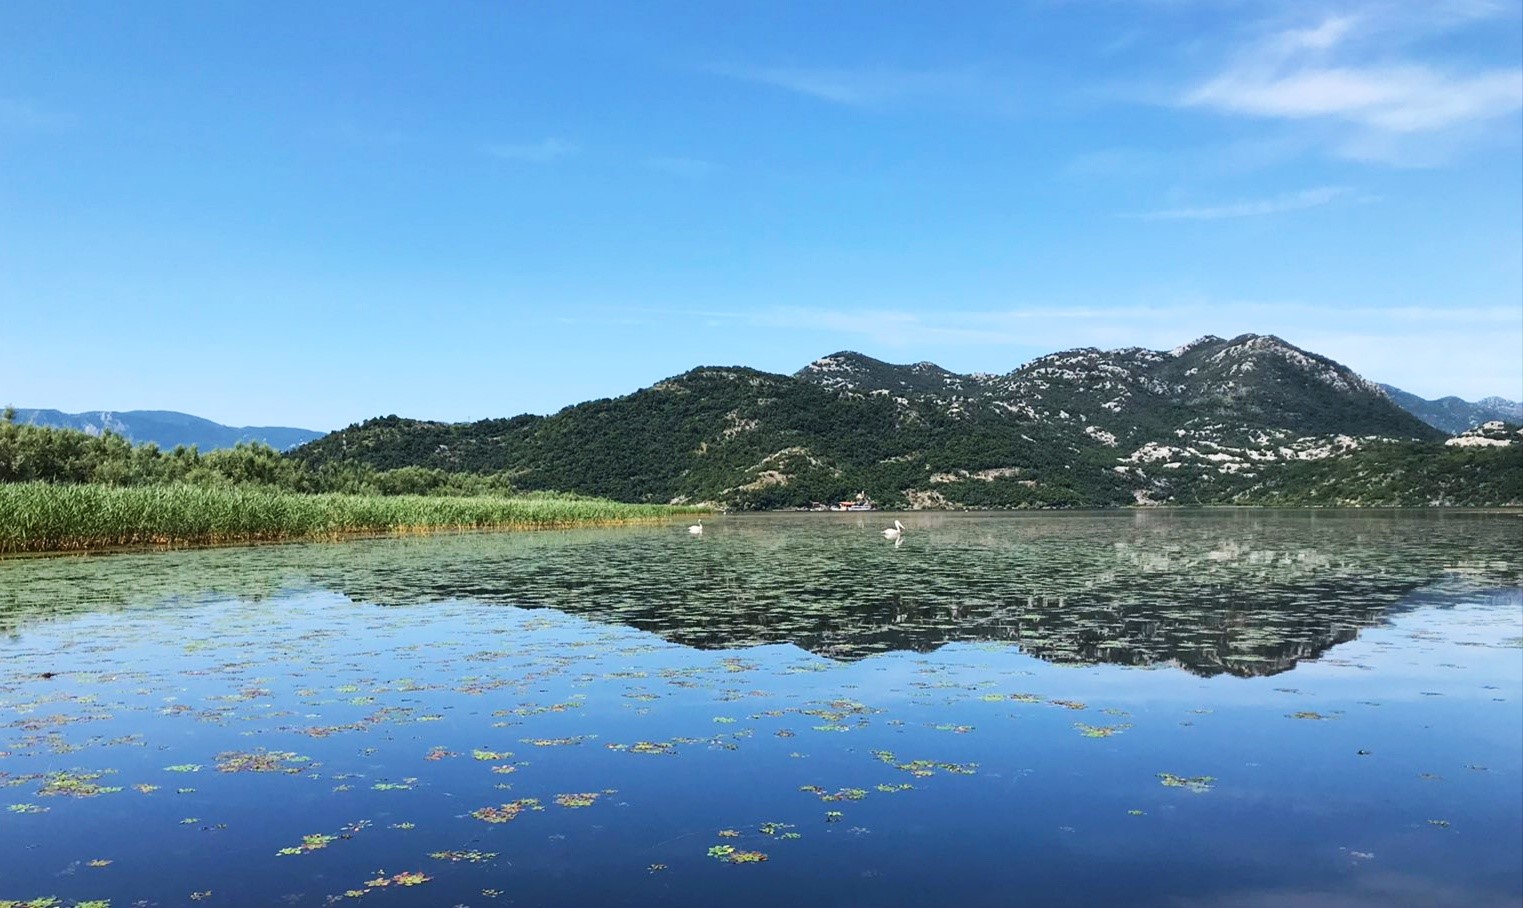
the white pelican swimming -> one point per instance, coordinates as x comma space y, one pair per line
696, 529
894, 532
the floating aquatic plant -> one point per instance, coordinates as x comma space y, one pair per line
506, 812
262, 761
309, 843
842, 794
922, 768
730, 855
76, 784
558, 742
1100, 731
577, 799
646, 747
1194, 783
404, 785
407, 878
469, 857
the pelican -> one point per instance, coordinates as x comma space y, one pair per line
696, 529
895, 532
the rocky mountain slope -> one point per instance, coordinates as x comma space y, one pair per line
1214, 421
1453, 415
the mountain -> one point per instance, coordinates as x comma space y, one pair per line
168, 429
1248, 420
1454, 415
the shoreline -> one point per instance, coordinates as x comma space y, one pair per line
333, 538
41, 520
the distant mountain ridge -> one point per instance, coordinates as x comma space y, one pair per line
1454, 415
168, 429
1252, 419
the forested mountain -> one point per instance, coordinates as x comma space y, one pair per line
1216, 421
1454, 415
168, 429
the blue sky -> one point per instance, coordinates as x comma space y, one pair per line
308, 214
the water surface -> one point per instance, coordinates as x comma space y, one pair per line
1217, 708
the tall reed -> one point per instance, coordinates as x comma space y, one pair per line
45, 517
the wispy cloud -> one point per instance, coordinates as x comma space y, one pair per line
687, 168
1403, 99
865, 87
1358, 73
542, 152
1295, 201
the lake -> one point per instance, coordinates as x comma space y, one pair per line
1219, 708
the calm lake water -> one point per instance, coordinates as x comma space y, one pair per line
1172, 709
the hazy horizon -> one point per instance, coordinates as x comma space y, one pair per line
547, 412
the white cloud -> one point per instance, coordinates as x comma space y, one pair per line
1321, 37
1307, 198
1402, 99
541, 152
1358, 79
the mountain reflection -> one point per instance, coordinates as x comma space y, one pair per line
1242, 593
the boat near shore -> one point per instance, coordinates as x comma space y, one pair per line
860, 503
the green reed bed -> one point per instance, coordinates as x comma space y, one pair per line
43, 517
